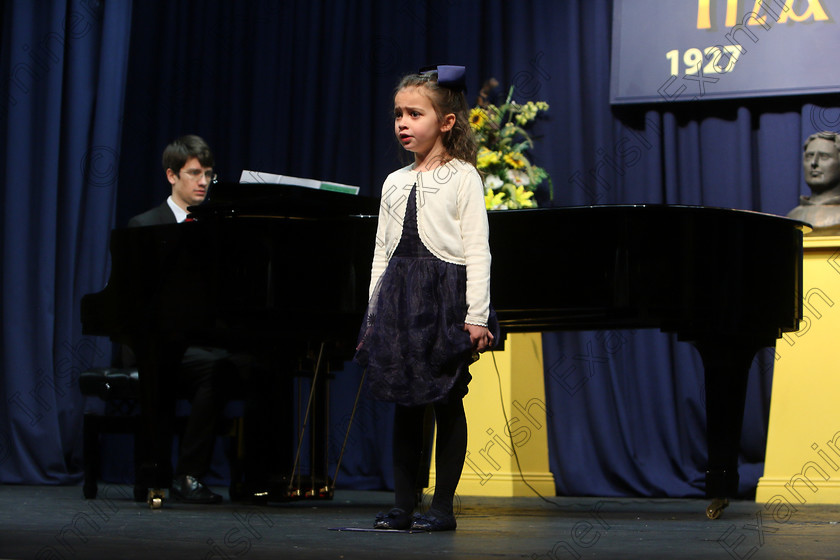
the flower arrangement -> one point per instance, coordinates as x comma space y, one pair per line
510, 179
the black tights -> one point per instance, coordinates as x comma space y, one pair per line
450, 450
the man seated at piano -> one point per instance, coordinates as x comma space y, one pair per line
188, 165
206, 374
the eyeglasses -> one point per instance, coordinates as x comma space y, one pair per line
197, 173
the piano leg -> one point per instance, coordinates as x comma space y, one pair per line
726, 361
315, 422
157, 365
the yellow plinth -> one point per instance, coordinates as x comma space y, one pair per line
802, 464
506, 421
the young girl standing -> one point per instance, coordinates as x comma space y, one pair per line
429, 307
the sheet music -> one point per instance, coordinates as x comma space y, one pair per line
274, 179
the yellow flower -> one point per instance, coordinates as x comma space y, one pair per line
487, 158
523, 198
478, 118
493, 199
515, 160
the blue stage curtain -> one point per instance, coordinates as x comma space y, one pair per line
64, 66
305, 89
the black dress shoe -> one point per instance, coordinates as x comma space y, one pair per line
395, 519
189, 489
433, 521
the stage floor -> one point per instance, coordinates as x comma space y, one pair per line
56, 522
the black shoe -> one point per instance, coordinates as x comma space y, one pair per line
433, 521
188, 489
395, 519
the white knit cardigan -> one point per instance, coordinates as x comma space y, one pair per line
451, 219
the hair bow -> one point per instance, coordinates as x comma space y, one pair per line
452, 77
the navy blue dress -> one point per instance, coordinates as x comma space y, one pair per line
413, 341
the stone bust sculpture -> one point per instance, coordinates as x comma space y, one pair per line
821, 163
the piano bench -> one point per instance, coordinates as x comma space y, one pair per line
110, 383
120, 389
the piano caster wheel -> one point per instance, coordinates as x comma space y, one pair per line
155, 499
325, 492
716, 508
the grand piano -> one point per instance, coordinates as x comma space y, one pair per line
269, 266
260, 270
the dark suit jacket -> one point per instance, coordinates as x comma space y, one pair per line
155, 217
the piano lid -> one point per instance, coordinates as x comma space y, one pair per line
654, 209
273, 200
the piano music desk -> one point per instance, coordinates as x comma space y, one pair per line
495, 438
802, 462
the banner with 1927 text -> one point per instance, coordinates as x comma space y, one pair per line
690, 50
